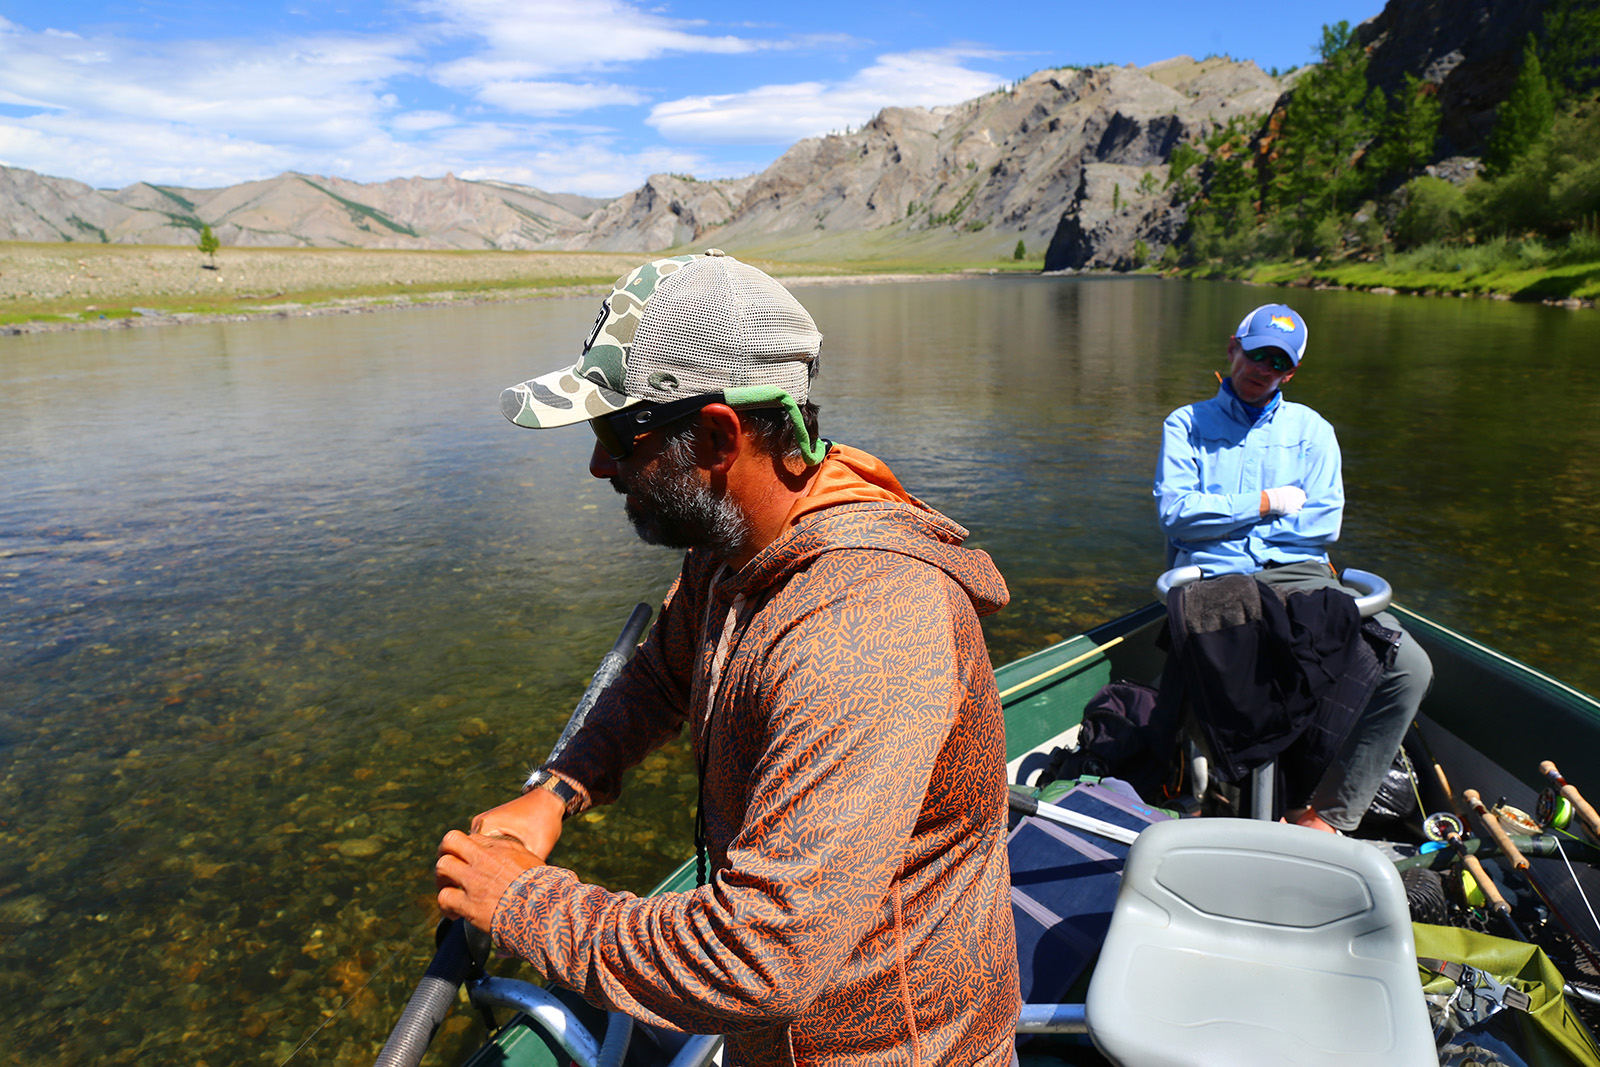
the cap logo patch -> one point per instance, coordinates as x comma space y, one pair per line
662, 380
599, 323
1282, 322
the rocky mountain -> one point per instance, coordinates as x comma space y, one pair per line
1072, 160
292, 210
666, 211
1087, 145
967, 181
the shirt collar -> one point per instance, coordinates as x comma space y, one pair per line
1252, 414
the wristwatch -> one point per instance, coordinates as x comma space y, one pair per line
547, 779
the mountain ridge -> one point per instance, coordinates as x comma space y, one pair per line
1012, 162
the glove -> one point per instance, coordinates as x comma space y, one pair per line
1284, 500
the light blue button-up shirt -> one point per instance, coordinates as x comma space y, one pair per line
1216, 458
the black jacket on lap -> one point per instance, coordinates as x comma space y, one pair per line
1270, 674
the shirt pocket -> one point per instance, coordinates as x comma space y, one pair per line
1285, 463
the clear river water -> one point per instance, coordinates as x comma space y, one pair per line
282, 601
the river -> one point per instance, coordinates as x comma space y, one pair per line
285, 600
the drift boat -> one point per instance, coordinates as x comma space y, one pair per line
1297, 918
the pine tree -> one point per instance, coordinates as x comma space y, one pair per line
1410, 129
1571, 46
1021, 251
1524, 118
1328, 120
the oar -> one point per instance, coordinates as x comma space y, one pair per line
1026, 805
1491, 823
461, 941
1591, 820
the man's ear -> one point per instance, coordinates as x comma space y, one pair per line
721, 438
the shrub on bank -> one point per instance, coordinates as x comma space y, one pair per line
1434, 211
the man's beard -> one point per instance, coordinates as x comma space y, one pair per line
669, 505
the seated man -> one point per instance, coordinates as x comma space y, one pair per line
1249, 483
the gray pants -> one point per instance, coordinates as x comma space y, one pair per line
1352, 779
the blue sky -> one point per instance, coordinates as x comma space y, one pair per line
583, 96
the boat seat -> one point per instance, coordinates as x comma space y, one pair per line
1241, 942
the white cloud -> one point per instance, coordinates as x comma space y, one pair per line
418, 121
320, 90
778, 114
524, 40
555, 98
110, 110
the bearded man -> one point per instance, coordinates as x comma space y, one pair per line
822, 646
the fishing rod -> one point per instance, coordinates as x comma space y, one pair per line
1438, 855
1569, 793
1491, 824
1450, 830
462, 947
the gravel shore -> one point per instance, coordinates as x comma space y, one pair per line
121, 286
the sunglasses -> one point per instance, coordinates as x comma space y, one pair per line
1281, 363
618, 431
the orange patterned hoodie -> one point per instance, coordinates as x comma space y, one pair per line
842, 703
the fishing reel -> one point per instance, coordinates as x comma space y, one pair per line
1515, 819
1440, 825
1553, 810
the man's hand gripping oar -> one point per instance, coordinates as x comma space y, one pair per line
474, 869
499, 848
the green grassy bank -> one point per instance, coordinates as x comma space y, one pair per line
1503, 269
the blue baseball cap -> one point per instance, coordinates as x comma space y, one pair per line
1274, 326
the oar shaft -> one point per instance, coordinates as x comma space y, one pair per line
1021, 802
1585, 811
611, 665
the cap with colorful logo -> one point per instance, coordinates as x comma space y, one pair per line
675, 328
1274, 326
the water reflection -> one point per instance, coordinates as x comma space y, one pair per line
285, 600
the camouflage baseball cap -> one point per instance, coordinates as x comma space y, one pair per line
675, 328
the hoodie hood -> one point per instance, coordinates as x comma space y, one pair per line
856, 502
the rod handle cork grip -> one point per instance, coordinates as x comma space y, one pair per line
1491, 892
1580, 805
1491, 826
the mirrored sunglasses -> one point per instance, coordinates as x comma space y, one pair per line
1281, 363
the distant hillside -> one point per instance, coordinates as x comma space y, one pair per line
292, 210
1079, 152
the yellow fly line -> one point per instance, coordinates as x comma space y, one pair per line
1073, 662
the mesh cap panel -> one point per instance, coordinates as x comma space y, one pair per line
717, 323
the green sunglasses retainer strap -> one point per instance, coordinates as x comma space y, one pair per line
770, 396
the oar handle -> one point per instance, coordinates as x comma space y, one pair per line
1585, 811
1490, 823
